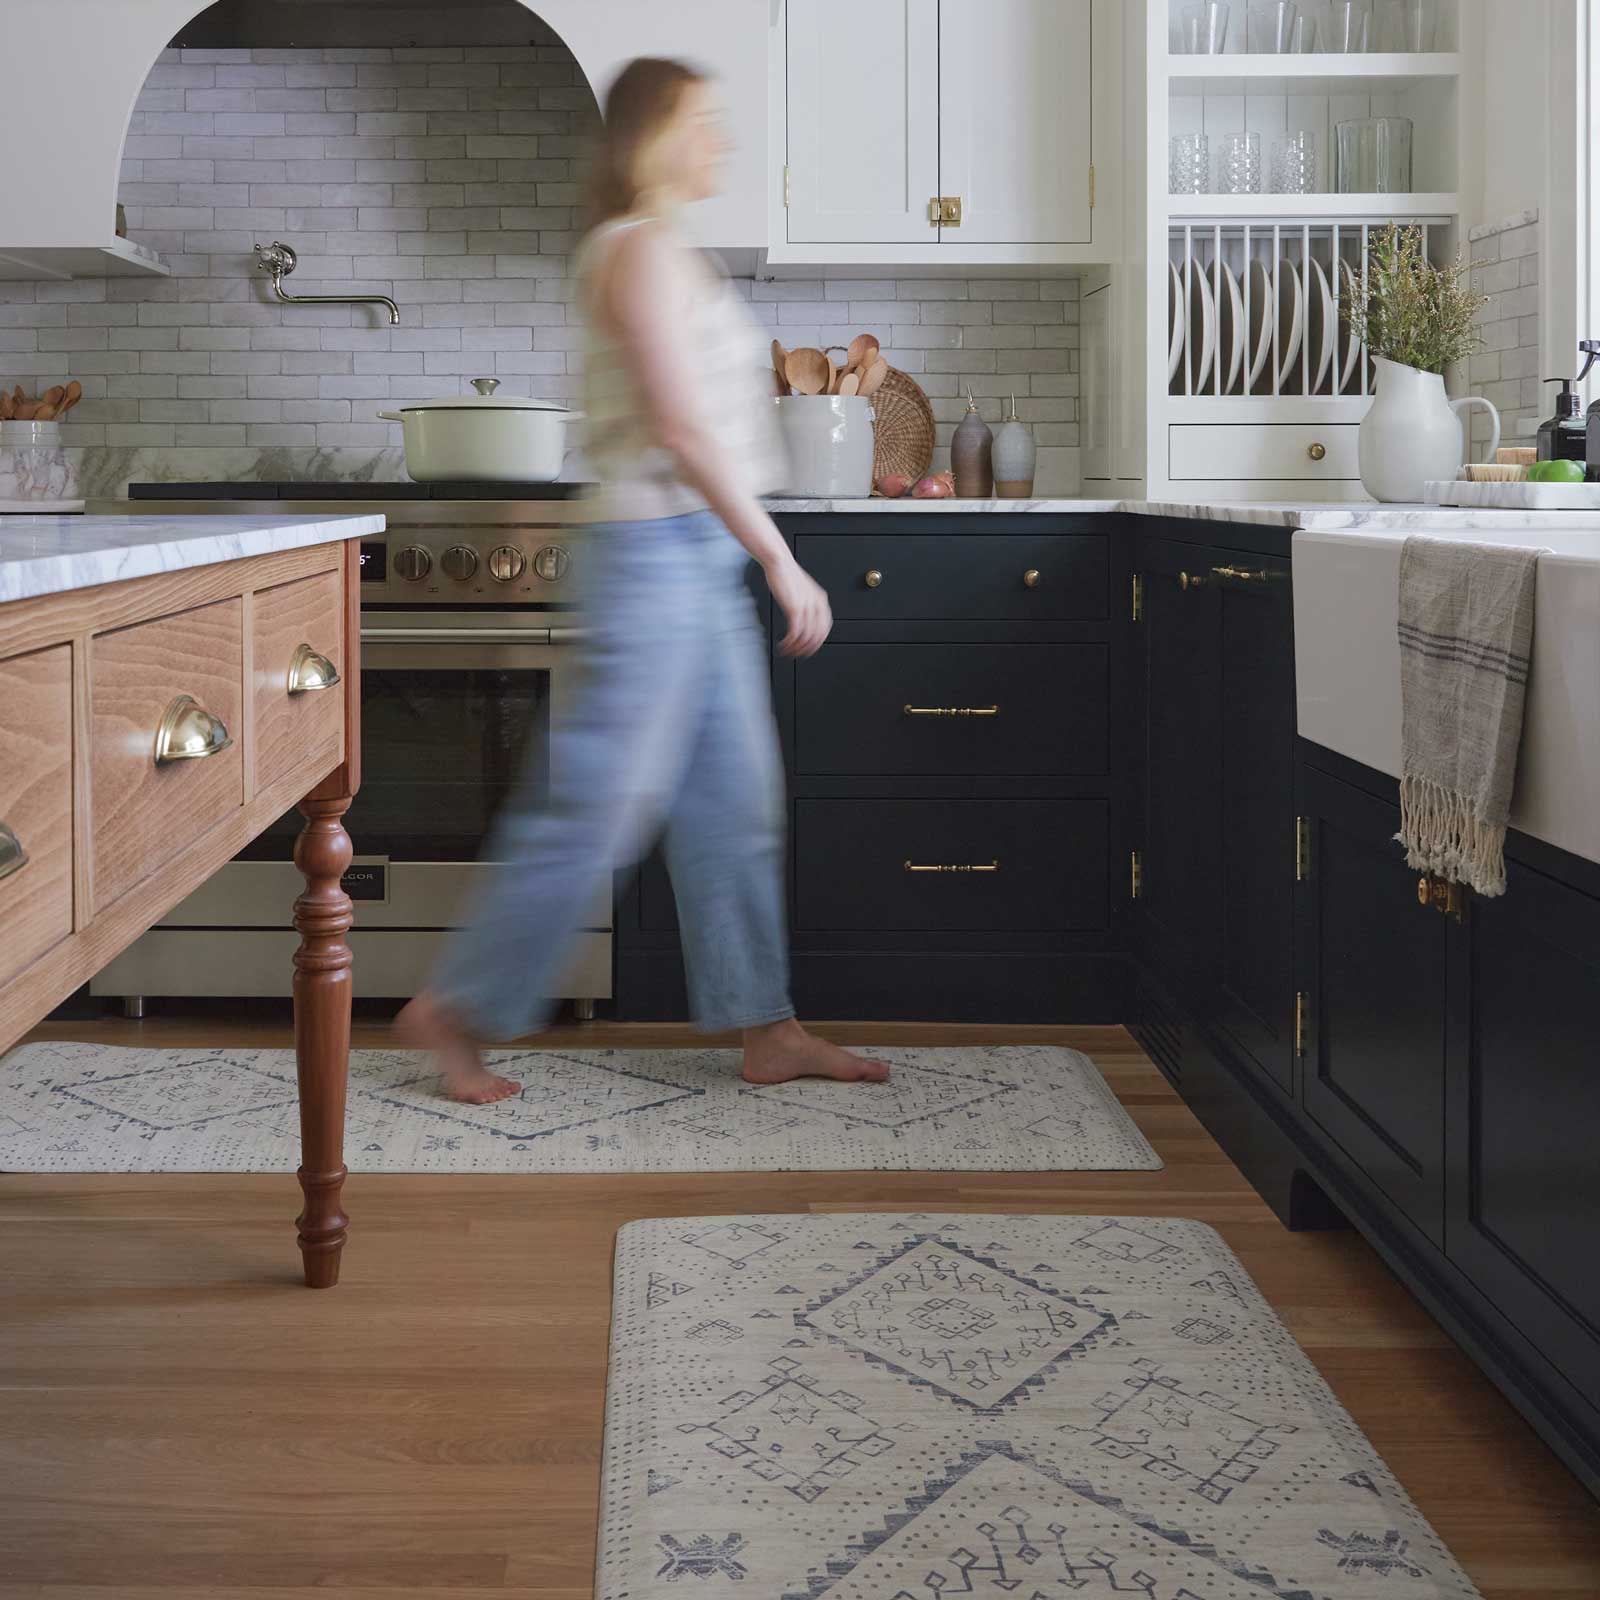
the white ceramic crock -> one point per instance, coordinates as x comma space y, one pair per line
484, 437
1412, 435
828, 439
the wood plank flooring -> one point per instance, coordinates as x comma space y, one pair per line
179, 1416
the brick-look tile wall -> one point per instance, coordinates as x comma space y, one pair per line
1506, 371
449, 178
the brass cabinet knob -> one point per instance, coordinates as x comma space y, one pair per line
1030, 578
189, 732
1424, 892
1190, 580
1317, 451
13, 858
309, 671
874, 578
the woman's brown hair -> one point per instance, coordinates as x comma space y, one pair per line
638, 106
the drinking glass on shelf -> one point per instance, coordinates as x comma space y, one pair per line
1294, 164
1408, 25
1189, 164
1303, 40
1239, 169
1350, 27
1374, 156
1205, 28
1270, 26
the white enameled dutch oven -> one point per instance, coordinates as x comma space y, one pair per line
484, 436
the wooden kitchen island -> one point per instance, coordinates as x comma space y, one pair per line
169, 687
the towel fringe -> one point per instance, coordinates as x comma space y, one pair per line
1443, 836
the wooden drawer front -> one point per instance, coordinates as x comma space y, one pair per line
1268, 450
850, 870
1048, 703
36, 803
979, 577
303, 731
144, 815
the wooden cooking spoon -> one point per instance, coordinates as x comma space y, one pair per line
779, 357
863, 350
73, 394
53, 397
808, 370
849, 383
872, 378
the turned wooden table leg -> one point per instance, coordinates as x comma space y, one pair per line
322, 1031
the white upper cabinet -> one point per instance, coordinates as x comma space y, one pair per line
1015, 119
899, 111
863, 80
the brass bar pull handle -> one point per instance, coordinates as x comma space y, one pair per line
991, 866
952, 711
189, 732
1240, 574
13, 858
309, 671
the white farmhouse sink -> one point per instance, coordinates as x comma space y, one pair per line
1347, 666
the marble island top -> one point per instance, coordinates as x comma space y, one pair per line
47, 555
1311, 516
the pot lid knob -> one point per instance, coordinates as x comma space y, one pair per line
486, 386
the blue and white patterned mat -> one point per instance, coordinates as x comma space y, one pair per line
71, 1107
891, 1407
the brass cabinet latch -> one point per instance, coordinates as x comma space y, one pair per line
944, 211
1136, 875
1448, 899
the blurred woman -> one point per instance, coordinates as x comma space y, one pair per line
670, 730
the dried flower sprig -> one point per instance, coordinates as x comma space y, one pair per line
1410, 310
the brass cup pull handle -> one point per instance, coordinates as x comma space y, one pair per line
952, 711
309, 671
874, 578
1240, 574
1190, 580
13, 858
990, 866
1317, 452
189, 732
1030, 578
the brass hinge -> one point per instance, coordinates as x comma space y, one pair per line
1300, 1024
1138, 597
1135, 875
1091, 186
1302, 849
787, 191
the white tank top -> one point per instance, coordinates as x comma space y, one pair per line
732, 379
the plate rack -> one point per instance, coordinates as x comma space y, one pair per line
1241, 260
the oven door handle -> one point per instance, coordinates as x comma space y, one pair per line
530, 636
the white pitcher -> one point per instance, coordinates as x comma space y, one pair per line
1412, 435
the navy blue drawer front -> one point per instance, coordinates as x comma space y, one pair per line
981, 710
973, 577
1047, 861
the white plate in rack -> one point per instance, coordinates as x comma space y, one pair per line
1202, 340
1322, 327
1289, 297
1262, 303
1175, 322
1230, 330
1349, 340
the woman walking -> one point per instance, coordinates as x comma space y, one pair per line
670, 730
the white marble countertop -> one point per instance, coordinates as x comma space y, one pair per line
47, 555
1310, 516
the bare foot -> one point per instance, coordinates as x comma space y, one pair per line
784, 1051
424, 1024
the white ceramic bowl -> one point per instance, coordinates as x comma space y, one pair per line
483, 437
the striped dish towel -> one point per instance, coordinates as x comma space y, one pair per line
1466, 640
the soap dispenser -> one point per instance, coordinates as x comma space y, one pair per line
1564, 436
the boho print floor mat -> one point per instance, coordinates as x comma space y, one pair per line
892, 1407
69, 1107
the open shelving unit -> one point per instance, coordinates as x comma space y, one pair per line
1288, 431
121, 258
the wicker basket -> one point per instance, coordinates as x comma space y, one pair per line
903, 440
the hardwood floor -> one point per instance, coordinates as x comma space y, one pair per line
179, 1414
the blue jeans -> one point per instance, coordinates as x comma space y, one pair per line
668, 731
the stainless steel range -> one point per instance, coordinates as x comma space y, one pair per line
468, 617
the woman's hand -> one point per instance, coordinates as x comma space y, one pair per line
804, 602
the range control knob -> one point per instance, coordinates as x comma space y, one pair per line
551, 563
506, 563
460, 561
414, 563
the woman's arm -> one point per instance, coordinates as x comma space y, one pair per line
645, 295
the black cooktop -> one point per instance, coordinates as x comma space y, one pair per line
356, 491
